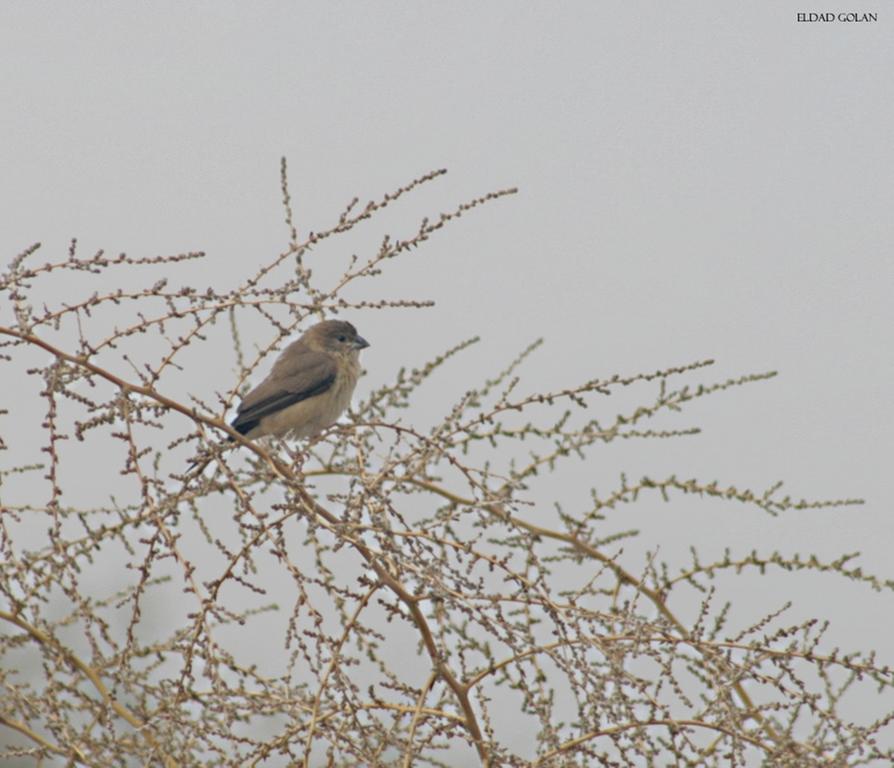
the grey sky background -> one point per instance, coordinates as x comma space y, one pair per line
696, 179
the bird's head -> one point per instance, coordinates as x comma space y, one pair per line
336, 336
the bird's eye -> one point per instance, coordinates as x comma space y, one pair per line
342, 338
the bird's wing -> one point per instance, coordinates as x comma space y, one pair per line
307, 374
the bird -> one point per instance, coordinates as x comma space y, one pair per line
309, 387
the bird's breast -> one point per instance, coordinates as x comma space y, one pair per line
310, 417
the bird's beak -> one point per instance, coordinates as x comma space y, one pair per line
361, 343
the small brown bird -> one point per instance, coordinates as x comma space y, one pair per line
309, 387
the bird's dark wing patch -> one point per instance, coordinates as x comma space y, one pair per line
308, 374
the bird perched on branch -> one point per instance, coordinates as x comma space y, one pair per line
309, 387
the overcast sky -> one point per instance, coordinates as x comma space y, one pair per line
697, 179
